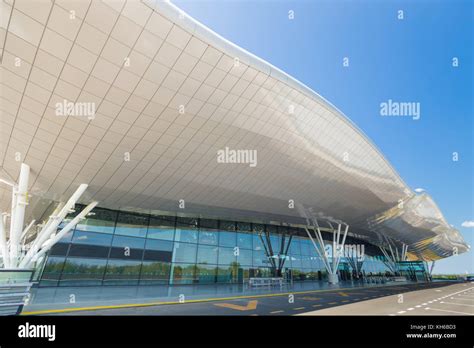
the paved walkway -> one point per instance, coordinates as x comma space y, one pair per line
209, 300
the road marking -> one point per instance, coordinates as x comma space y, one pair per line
458, 304
251, 305
316, 305
332, 303
461, 299
345, 300
297, 309
275, 312
418, 306
401, 312
445, 310
410, 309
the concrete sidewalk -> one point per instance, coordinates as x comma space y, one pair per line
75, 297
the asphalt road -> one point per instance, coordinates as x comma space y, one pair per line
455, 299
298, 303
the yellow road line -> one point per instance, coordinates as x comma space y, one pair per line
151, 304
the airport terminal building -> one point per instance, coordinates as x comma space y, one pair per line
204, 163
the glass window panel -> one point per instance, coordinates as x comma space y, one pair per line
244, 226
295, 248
191, 223
226, 274
306, 247
227, 225
67, 237
184, 252
209, 224
260, 258
306, 262
226, 256
186, 235
296, 262
135, 225
82, 271
91, 238
244, 240
258, 228
155, 273
84, 250
228, 239
206, 273
164, 245
162, 227
208, 237
122, 272
207, 254
59, 249
257, 242
275, 240
245, 257
186, 230
127, 248
52, 271
183, 273
102, 220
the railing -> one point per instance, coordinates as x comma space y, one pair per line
13, 297
269, 282
15, 285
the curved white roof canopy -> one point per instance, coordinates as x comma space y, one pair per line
140, 63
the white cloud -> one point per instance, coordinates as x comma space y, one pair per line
468, 224
419, 190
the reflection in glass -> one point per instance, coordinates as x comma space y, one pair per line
91, 238
228, 239
155, 273
184, 252
82, 271
207, 254
135, 225
102, 220
206, 273
208, 237
162, 227
122, 272
52, 271
183, 273
226, 256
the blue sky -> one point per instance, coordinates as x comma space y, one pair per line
407, 60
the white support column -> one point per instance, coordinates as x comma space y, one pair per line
20, 201
50, 242
320, 249
390, 262
52, 225
3, 240
26, 230
312, 222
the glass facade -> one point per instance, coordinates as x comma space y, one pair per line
122, 248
